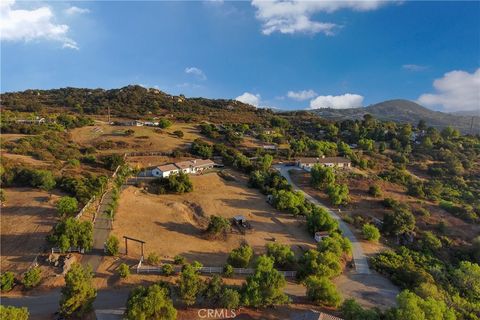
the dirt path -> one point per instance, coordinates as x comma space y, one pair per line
359, 257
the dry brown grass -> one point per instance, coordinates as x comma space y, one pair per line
174, 224
144, 138
27, 217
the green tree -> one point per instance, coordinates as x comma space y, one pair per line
152, 302
322, 291
430, 242
351, 310
400, 221
32, 277
338, 194
288, 200
164, 123
43, 179
189, 284
412, 307
78, 294
67, 206
229, 299
467, 279
265, 286
218, 226
265, 162
375, 191
111, 245
370, 232
241, 256
123, 270
167, 269
153, 258
7, 280
73, 233
228, 270
321, 177
282, 255
111, 162
320, 220
13, 313
213, 290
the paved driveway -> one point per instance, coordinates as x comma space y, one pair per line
361, 264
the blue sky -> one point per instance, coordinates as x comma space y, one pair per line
290, 55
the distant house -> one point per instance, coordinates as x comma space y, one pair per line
269, 147
308, 163
165, 170
188, 166
31, 121
132, 123
151, 123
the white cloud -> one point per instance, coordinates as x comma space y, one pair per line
28, 25
456, 90
76, 10
249, 98
414, 67
344, 101
301, 95
196, 72
294, 16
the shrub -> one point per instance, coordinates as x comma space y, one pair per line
164, 123
189, 285
153, 258
13, 313
152, 302
178, 133
111, 245
32, 277
322, 291
370, 232
218, 226
167, 269
241, 256
351, 310
178, 260
111, 162
228, 270
72, 233
282, 255
320, 220
175, 183
67, 206
229, 299
375, 191
400, 221
123, 270
7, 280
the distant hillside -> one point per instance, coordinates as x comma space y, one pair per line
404, 111
468, 113
131, 101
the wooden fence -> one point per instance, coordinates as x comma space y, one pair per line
208, 270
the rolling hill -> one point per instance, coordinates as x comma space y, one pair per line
404, 111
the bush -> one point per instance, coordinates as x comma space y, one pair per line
175, 183
228, 270
111, 162
189, 285
152, 302
123, 270
230, 299
351, 310
164, 123
111, 245
218, 226
370, 232
153, 259
67, 206
398, 222
7, 280
32, 277
72, 233
282, 255
240, 257
375, 191
178, 133
320, 220
178, 260
13, 313
322, 291
167, 269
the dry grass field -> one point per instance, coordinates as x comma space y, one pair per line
27, 217
143, 139
174, 224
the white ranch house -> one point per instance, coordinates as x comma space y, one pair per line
188, 166
308, 163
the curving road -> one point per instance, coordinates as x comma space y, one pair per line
361, 264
